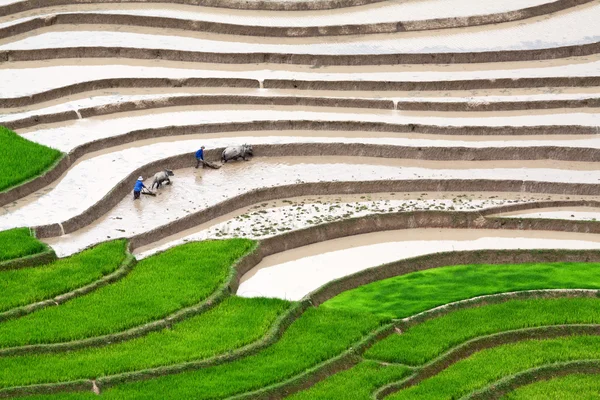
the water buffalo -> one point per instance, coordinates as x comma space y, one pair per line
161, 177
236, 152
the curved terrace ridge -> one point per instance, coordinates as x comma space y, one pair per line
324, 369
469, 348
337, 85
129, 19
402, 267
555, 357
309, 101
301, 238
121, 189
210, 300
300, 59
549, 152
450, 249
25, 5
553, 371
46, 256
119, 273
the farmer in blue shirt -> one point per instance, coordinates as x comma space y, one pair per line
200, 157
137, 189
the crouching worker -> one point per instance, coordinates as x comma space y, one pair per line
137, 189
200, 157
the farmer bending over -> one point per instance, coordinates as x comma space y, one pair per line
137, 189
200, 157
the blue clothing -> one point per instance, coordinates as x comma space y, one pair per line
200, 154
138, 186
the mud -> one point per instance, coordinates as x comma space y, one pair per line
192, 192
17, 6
433, 14
571, 213
549, 32
178, 120
89, 183
293, 274
93, 178
370, 14
269, 219
574, 66
406, 148
386, 55
362, 225
117, 95
109, 105
26, 78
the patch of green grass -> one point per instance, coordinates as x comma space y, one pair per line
157, 286
230, 325
488, 366
357, 383
571, 387
422, 343
406, 295
28, 285
21, 159
63, 396
322, 333
17, 243
317, 336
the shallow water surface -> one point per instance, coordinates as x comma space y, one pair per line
295, 273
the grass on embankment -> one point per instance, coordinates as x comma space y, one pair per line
424, 342
17, 243
155, 288
357, 383
571, 387
406, 295
230, 325
488, 366
21, 159
325, 332
25, 286
318, 335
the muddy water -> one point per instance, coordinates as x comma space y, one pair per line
572, 213
94, 175
275, 217
24, 78
117, 96
389, 138
124, 158
555, 67
67, 135
87, 182
293, 274
390, 11
572, 27
91, 179
194, 190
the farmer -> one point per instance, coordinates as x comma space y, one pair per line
137, 189
200, 157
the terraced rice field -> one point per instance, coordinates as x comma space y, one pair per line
419, 218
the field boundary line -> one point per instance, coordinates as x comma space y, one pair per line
123, 270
